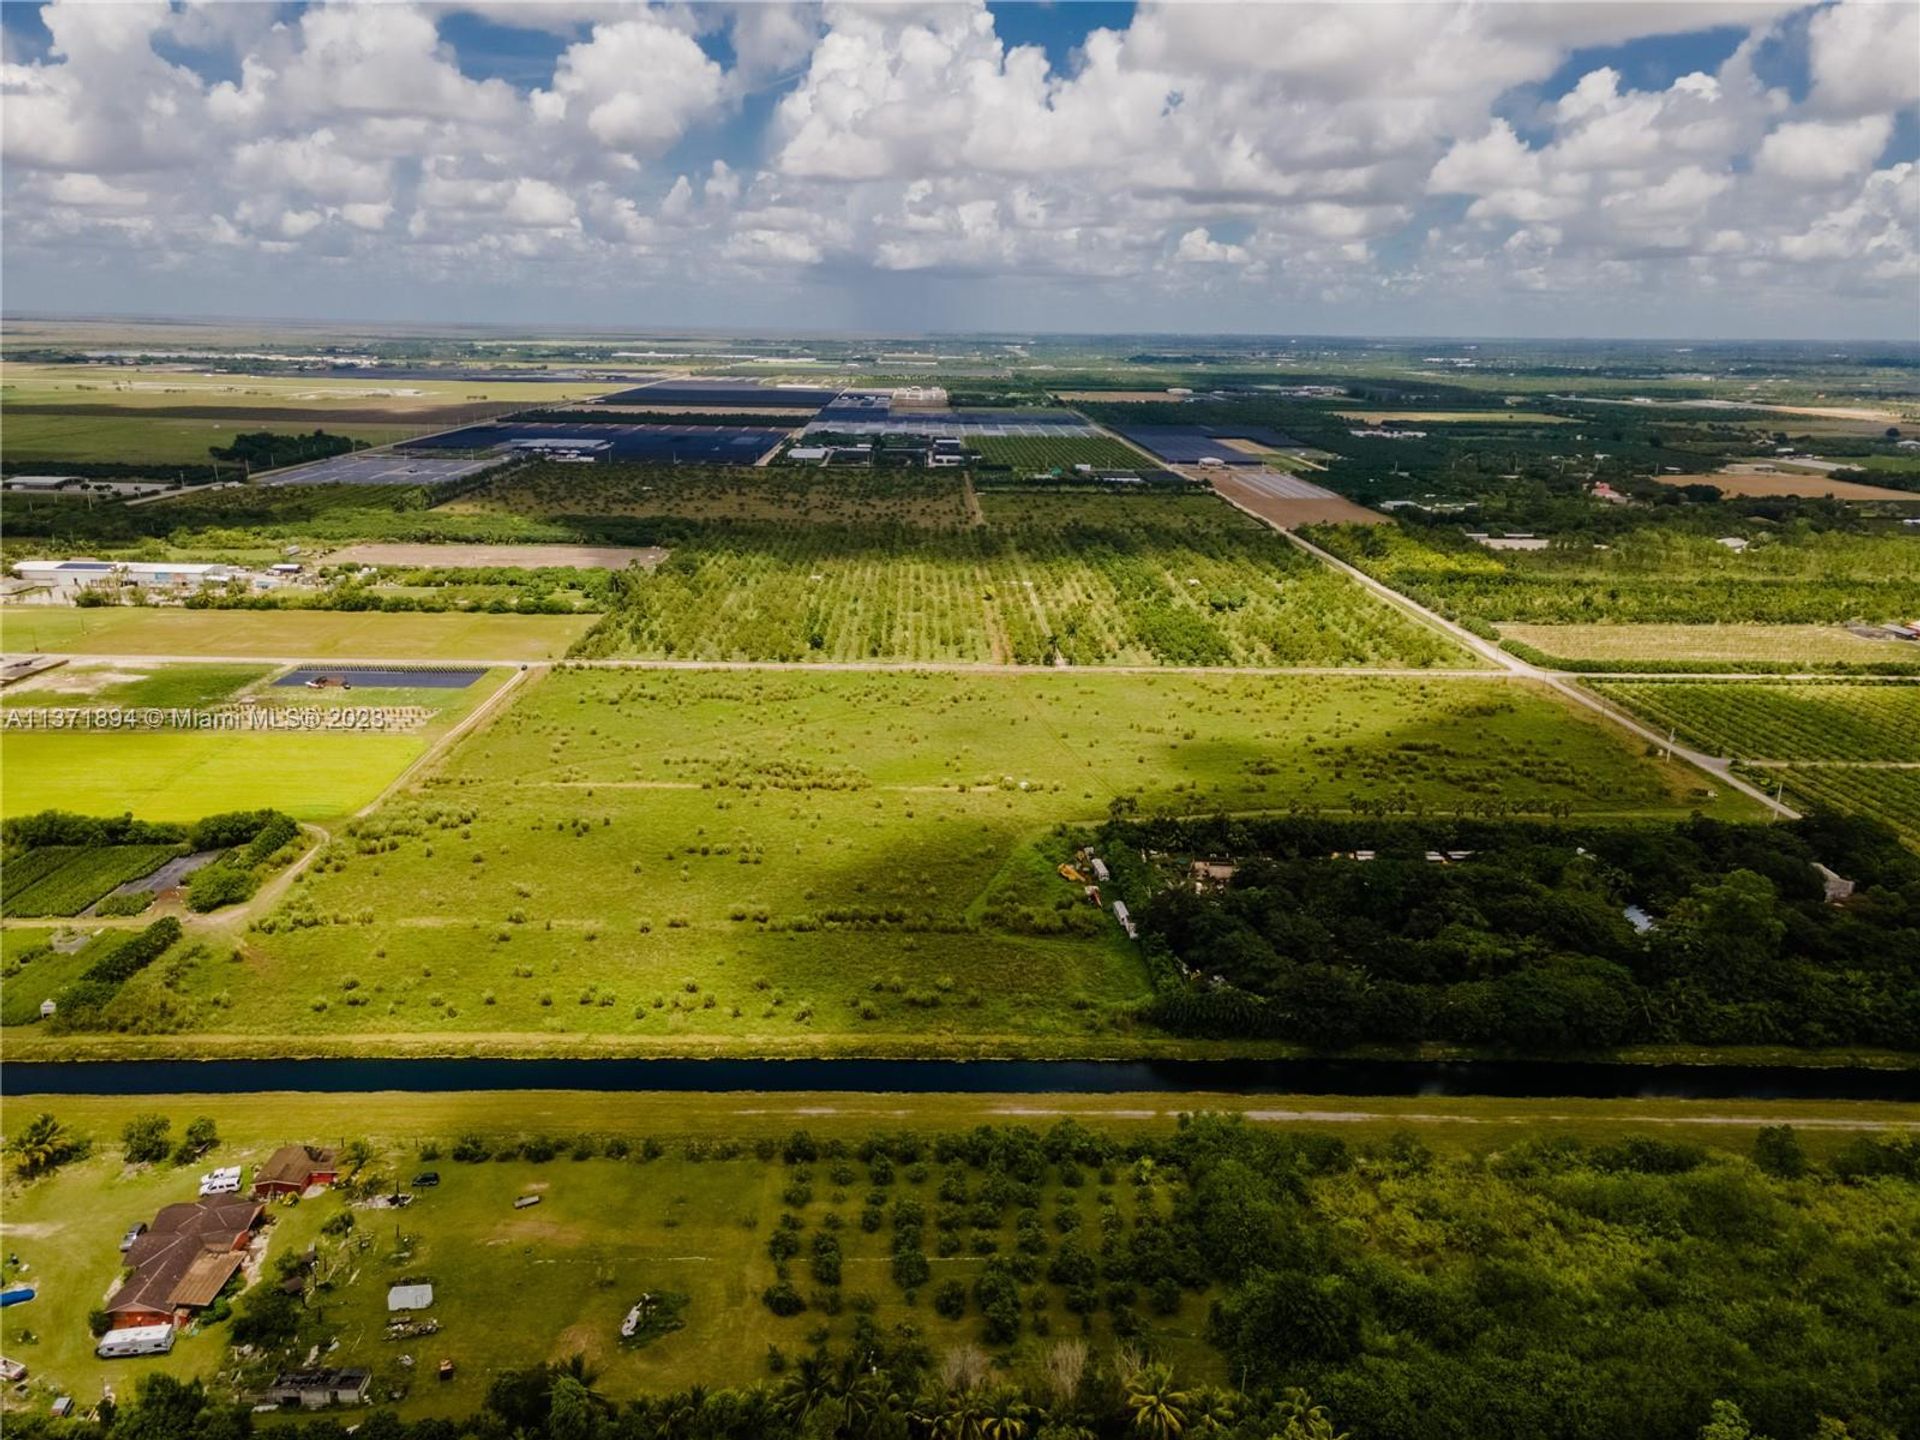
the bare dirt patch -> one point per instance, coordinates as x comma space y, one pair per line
503, 557
1289, 513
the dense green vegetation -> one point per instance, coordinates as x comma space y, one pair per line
1202, 1279
1521, 936
265, 450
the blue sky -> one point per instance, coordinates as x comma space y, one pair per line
1740, 168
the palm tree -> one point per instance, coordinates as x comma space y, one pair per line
807, 1386
43, 1142
1212, 1411
1304, 1419
1159, 1410
1007, 1416
954, 1415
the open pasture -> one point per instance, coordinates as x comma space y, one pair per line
187, 773
787, 863
158, 440
132, 685
289, 634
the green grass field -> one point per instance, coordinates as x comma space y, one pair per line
607, 1229
289, 634
796, 863
132, 685
139, 439
184, 774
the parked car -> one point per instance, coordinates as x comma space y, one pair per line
126, 1240
426, 1180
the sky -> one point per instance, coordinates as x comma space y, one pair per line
1737, 169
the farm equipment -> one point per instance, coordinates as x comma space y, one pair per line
1068, 872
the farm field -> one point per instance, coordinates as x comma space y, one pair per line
714, 862
683, 1194
1458, 417
1852, 747
510, 557
64, 880
131, 685
136, 439
1743, 482
1812, 646
289, 634
185, 774
1888, 794
789, 494
1077, 579
1039, 453
1806, 720
1647, 576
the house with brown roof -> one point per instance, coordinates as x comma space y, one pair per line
293, 1168
184, 1260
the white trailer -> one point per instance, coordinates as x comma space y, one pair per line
135, 1340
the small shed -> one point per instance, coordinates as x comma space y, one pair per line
409, 1297
47, 1009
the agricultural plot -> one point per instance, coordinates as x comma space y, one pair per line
290, 634
1083, 580
132, 685
187, 773
158, 440
1037, 455
1886, 793
930, 499
66, 879
1804, 721
1650, 575
1811, 647
714, 862
1846, 746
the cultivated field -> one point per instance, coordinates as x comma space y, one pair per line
1075, 579
777, 863
508, 557
158, 439
1648, 575
288, 634
1800, 721
1036, 454
1452, 417
778, 494
1807, 483
1839, 745
185, 774
1810, 645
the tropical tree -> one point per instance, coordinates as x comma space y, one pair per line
1304, 1420
44, 1143
1007, 1416
1159, 1410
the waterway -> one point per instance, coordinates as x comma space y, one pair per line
1510, 1078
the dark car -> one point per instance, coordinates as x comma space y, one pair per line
426, 1180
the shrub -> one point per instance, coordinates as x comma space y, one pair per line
147, 1138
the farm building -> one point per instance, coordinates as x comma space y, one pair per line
294, 1169
173, 575
66, 577
316, 1389
183, 1261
